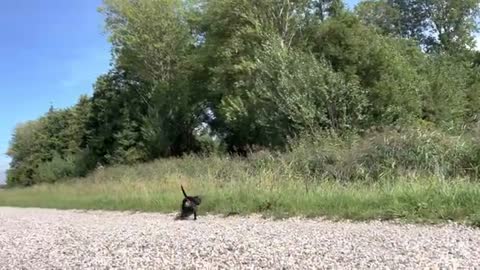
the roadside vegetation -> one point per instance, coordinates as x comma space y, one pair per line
417, 175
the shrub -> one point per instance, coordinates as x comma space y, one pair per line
386, 154
54, 170
415, 150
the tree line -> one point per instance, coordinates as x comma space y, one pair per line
201, 76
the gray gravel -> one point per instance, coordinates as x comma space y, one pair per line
53, 239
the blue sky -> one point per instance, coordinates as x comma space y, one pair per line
51, 52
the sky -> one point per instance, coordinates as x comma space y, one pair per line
51, 52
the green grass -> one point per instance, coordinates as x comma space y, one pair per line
232, 186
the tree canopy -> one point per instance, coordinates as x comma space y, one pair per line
199, 76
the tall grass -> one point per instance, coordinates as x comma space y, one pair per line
415, 175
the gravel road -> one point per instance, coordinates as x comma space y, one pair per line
54, 239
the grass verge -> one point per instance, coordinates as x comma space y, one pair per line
156, 187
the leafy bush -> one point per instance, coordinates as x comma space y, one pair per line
56, 169
387, 154
416, 150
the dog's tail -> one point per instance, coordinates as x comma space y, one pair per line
183, 190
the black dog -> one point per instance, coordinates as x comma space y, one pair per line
189, 205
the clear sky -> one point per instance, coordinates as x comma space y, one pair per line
51, 52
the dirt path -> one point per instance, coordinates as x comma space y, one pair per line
53, 239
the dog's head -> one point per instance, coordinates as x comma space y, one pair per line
197, 200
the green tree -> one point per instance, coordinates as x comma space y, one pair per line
439, 25
292, 92
328, 8
445, 99
234, 32
24, 150
250, 72
454, 22
386, 67
40, 149
114, 124
154, 43
150, 37
76, 128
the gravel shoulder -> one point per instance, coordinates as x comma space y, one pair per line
57, 239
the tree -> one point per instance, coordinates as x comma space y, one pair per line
40, 150
234, 32
115, 119
438, 25
149, 37
386, 67
24, 150
76, 128
454, 22
328, 8
292, 92
153, 43
445, 96
252, 72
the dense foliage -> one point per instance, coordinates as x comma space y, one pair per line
204, 76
